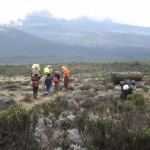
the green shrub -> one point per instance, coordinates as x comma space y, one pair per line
126, 106
137, 98
146, 132
91, 147
130, 136
14, 117
17, 125
104, 106
65, 143
91, 94
101, 131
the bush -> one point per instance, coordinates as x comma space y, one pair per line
137, 98
45, 109
65, 143
101, 130
14, 117
126, 106
17, 128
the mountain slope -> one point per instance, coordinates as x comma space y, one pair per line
17, 46
44, 39
85, 32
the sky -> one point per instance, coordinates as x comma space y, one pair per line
133, 12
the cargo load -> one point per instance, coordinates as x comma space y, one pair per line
46, 70
37, 66
35, 69
64, 68
65, 71
116, 77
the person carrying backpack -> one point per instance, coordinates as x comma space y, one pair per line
48, 83
56, 79
66, 82
35, 84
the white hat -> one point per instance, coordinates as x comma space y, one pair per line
126, 87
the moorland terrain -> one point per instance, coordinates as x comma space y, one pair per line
89, 116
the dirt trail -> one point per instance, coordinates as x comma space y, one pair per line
40, 100
22, 91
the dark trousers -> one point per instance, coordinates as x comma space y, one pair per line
35, 92
125, 93
66, 86
56, 87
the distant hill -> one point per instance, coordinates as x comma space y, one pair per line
17, 46
42, 38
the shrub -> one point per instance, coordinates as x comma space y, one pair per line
14, 117
45, 109
126, 106
137, 98
56, 111
91, 147
101, 131
16, 128
65, 143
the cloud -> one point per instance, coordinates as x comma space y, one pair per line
134, 12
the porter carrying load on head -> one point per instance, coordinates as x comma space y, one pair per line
35, 69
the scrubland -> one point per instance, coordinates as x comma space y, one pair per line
89, 116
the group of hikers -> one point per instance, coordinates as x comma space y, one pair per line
51, 77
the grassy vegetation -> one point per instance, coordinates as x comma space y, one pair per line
125, 127
91, 67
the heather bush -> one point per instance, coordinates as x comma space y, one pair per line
16, 128
125, 130
137, 99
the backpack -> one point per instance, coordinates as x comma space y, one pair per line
57, 74
34, 81
48, 80
55, 79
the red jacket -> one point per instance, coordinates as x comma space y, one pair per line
66, 80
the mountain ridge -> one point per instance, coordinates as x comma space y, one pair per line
46, 39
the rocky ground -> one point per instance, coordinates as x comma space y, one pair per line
82, 88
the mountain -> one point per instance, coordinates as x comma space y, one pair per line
84, 31
45, 19
17, 46
42, 39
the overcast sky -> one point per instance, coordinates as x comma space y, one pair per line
134, 12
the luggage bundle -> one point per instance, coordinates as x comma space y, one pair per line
35, 69
65, 71
48, 70
116, 77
